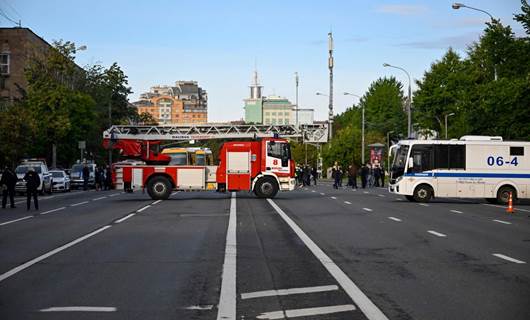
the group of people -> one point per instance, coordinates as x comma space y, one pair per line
103, 177
306, 174
9, 181
371, 175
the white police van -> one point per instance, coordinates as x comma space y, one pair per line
472, 167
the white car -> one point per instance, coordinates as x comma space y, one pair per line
61, 181
41, 169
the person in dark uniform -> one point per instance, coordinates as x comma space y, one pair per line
9, 180
364, 175
86, 175
32, 184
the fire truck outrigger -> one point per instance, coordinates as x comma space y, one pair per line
262, 165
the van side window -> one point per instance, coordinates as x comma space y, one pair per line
457, 156
517, 151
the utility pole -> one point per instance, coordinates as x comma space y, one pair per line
330, 66
110, 125
296, 80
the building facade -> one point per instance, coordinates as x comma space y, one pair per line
183, 103
277, 110
17, 47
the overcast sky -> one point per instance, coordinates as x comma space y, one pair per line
217, 43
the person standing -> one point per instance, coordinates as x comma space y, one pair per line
340, 174
9, 180
32, 184
314, 173
86, 176
97, 179
334, 177
377, 175
352, 172
364, 175
382, 176
108, 179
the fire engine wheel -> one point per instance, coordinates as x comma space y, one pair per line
159, 188
266, 188
503, 195
423, 193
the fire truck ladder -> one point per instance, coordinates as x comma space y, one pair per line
312, 133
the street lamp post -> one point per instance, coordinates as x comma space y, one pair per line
457, 6
330, 67
409, 100
447, 116
296, 80
362, 125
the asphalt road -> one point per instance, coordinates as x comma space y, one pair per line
315, 253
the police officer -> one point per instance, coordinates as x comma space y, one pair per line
9, 180
86, 176
32, 184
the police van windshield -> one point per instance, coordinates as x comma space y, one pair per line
398, 166
79, 168
24, 169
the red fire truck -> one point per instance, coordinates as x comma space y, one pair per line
263, 166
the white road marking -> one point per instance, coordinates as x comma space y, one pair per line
313, 191
78, 204
285, 292
334, 198
205, 307
366, 192
79, 309
228, 297
381, 195
144, 208
347, 202
370, 310
322, 194
157, 202
502, 221
423, 204
499, 255
125, 218
504, 207
399, 199
49, 254
114, 194
395, 219
294, 313
368, 209
187, 215
438, 234
50, 211
456, 211
13, 221
100, 198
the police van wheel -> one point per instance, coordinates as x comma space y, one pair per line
159, 188
503, 195
410, 198
266, 188
423, 193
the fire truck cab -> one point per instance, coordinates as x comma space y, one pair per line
263, 166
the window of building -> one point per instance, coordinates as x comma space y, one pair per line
267, 114
4, 63
273, 114
517, 151
280, 121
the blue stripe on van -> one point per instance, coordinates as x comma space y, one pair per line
469, 175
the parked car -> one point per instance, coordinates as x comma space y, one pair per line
61, 181
76, 175
41, 169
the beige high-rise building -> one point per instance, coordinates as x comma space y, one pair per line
183, 103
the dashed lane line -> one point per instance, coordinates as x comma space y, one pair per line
370, 310
368, 209
227, 299
157, 201
504, 207
79, 309
16, 220
28, 264
438, 234
100, 198
78, 204
502, 256
455, 211
381, 195
334, 198
144, 208
502, 221
53, 210
114, 194
322, 194
125, 218
285, 292
306, 312
347, 202
366, 192
423, 204
395, 219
